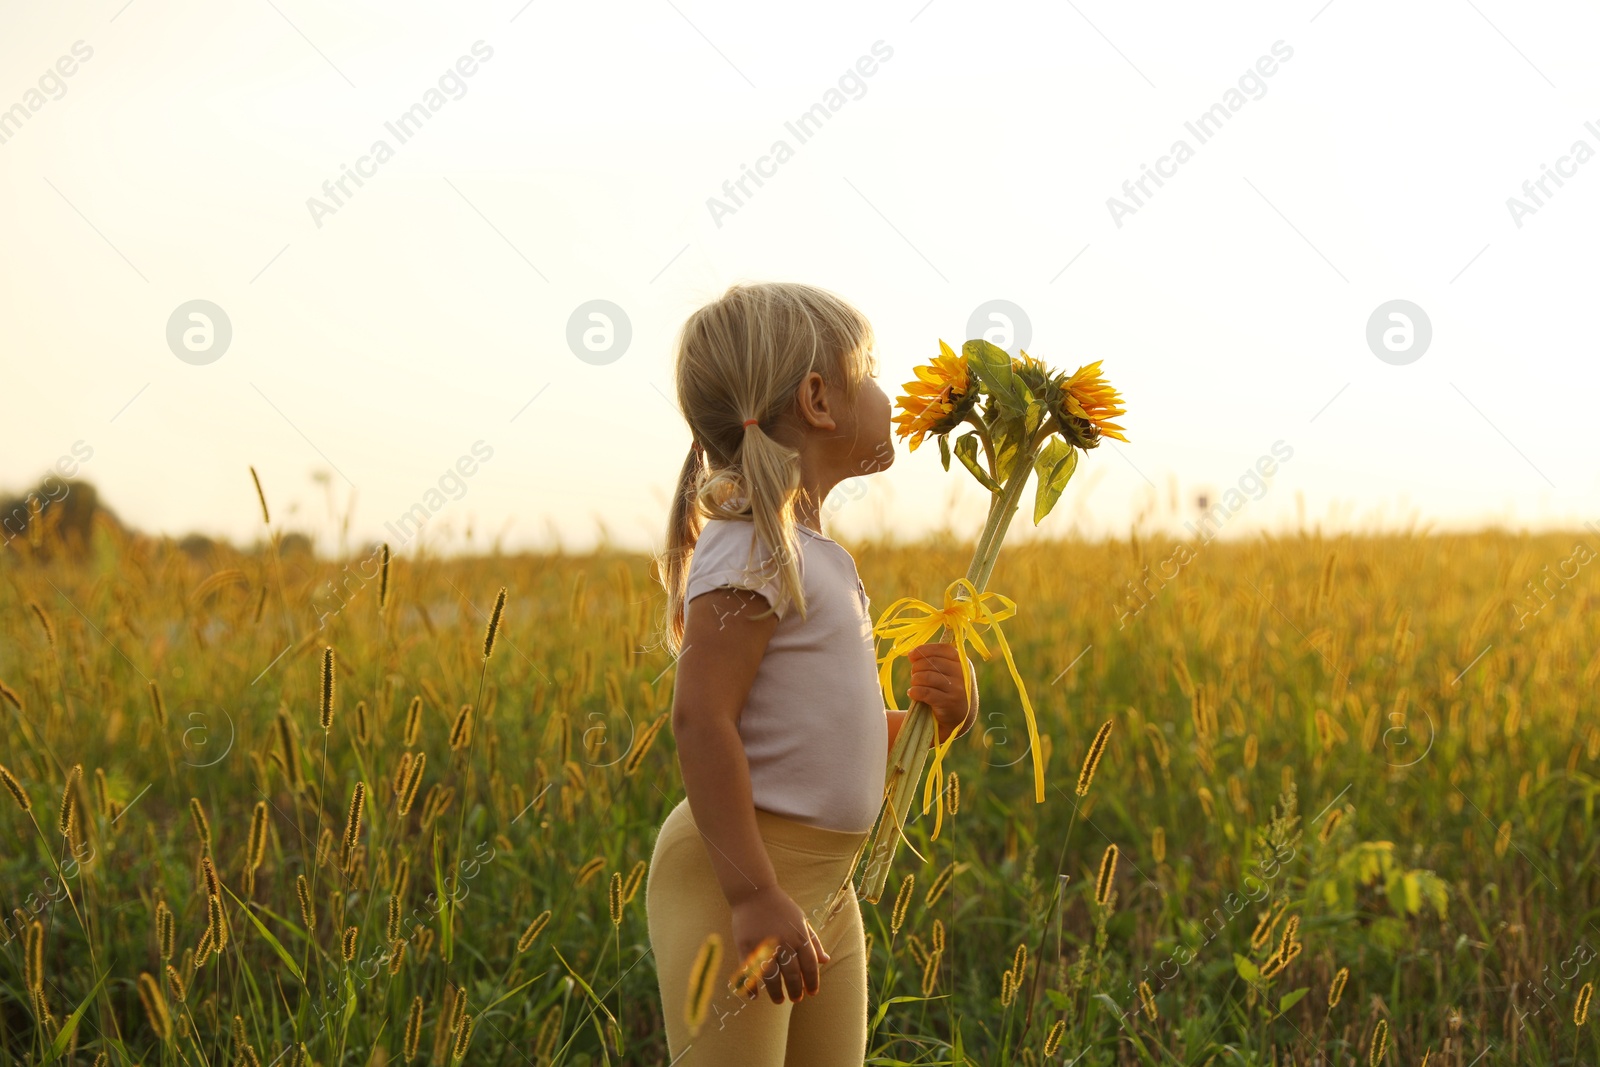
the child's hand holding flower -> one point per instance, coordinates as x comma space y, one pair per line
936, 681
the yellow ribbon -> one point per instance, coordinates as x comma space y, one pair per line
963, 617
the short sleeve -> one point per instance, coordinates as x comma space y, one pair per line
723, 558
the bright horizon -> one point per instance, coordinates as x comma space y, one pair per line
537, 158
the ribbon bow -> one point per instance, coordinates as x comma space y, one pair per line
963, 616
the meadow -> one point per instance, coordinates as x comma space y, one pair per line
1344, 809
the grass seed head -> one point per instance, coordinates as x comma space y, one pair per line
413, 1029
588, 871
413, 721
1147, 1001
533, 931
1092, 760
308, 907
266, 517
352, 824
413, 781
941, 882
208, 871
218, 927
155, 1005
202, 825
930, 973
1328, 827
44, 623
641, 749
383, 577
165, 930
701, 983
257, 849
493, 628
1287, 940
635, 880
14, 787
902, 900
1336, 987
69, 801
461, 731
1052, 1040
326, 715
33, 955
1108, 874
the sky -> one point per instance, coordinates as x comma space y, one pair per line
1353, 180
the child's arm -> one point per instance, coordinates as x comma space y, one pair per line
722, 649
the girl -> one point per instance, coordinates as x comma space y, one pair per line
778, 713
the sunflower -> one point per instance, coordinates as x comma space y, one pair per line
939, 400
1086, 406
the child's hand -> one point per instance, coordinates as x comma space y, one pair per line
936, 681
797, 959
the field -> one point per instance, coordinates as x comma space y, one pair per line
1365, 763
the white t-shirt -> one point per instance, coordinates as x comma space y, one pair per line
814, 728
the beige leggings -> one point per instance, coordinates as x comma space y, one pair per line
684, 903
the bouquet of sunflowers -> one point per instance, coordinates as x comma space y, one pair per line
1022, 416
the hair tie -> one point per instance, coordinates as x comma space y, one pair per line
751, 422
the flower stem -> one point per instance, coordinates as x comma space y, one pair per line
910, 751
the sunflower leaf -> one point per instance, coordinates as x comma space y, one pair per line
993, 367
967, 453
944, 450
1008, 435
1056, 462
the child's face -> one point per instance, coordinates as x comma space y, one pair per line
868, 427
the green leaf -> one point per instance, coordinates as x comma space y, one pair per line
60, 1044
277, 946
446, 912
944, 450
1247, 970
1289, 1000
967, 453
1055, 464
515, 991
576, 977
992, 365
883, 1008
350, 1002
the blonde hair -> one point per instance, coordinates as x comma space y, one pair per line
743, 356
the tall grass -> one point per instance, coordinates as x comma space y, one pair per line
1314, 797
